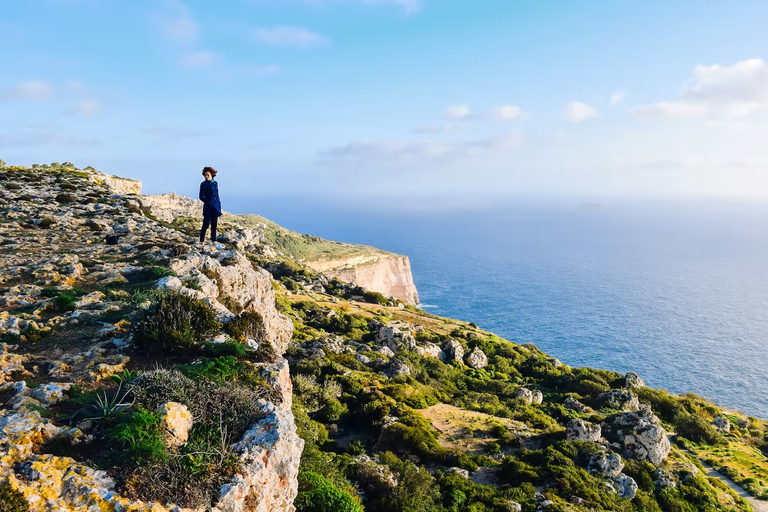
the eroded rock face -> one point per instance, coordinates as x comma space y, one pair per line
580, 430
270, 454
477, 359
388, 274
640, 434
238, 284
573, 404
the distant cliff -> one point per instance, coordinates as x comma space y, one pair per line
369, 267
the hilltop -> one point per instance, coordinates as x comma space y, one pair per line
140, 371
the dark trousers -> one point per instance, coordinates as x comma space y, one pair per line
212, 220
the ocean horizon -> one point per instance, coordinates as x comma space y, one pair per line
677, 292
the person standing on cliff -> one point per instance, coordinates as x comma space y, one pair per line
209, 195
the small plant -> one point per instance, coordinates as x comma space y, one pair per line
248, 325
126, 376
141, 436
161, 272
193, 284
357, 448
318, 494
12, 500
175, 321
105, 407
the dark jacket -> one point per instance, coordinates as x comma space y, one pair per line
209, 195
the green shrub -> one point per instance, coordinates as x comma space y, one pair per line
211, 403
375, 298
332, 411
140, 435
175, 321
12, 500
696, 429
223, 369
317, 494
248, 325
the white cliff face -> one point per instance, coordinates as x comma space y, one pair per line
388, 274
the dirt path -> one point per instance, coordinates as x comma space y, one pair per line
757, 505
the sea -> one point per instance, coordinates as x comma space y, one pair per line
676, 291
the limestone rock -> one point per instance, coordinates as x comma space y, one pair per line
386, 352
430, 350
240, 285
453, 350
640, 434
458, 471
573, 404
633, 380
663, 479
722, 424
396, 335
397, 367
523, 394
537, 397
580, 430
618, 399
176, 423
625, 486
477, 359
605, 464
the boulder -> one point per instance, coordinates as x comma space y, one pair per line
625, 486
573, 404
430, 350
523, 394
722, 424
176, 422
537, 397
618, 399
386, 352
640, 434
453, 350
477, 359
397, 367
663, 479
633, 380
605, 464
580, 430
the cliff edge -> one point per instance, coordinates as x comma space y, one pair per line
366, 266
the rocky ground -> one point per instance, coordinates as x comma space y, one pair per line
80, 257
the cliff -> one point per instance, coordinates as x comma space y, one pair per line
113, 328
139, 371
368, 267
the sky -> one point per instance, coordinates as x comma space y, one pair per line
394, 100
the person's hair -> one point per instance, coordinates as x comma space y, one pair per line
210, 170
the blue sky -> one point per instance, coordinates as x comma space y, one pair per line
397, 99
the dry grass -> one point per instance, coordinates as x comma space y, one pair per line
463, 430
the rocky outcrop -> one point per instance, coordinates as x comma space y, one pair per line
722, 424
605, 464
580, 430
388, 274
618, 399
176, 423
633, 380
167, 207
640, 434
229, 279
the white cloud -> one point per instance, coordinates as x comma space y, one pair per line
670, 109
458, 112
32, 90
617, 98
736, 91
199, 59
177, 23
509, 113
288, 36
409, 6
378, 153
86, 108
576, 112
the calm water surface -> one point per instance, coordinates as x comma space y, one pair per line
677, 293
